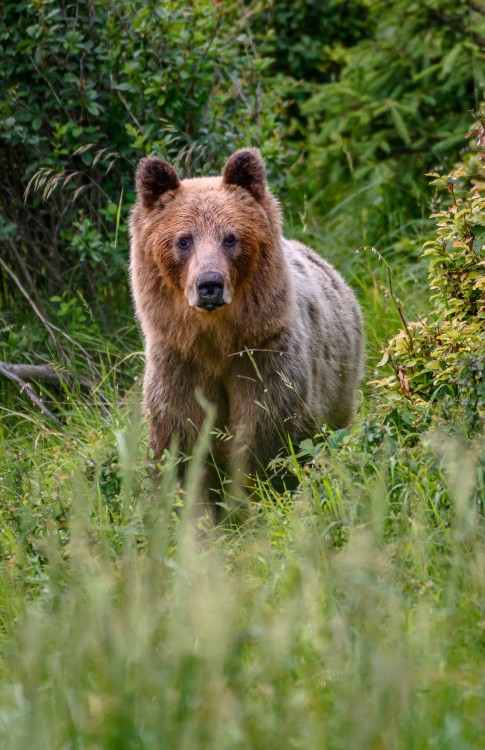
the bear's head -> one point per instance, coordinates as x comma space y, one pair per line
207, 235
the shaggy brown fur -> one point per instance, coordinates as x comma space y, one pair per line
282, 354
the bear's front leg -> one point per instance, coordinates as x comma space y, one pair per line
263, 406
170, 404
176, 394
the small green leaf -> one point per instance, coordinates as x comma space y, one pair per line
384, 360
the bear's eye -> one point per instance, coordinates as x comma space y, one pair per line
183, 243
230, 240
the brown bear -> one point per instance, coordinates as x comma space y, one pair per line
260, 326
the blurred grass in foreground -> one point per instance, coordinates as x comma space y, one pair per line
347, 615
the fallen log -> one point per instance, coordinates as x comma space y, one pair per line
45, 373
22, 374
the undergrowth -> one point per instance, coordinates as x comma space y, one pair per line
346, 613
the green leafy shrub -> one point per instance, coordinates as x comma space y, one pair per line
439, 361
301, 36
395, 108
85, 91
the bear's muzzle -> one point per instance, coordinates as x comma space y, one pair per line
210, 291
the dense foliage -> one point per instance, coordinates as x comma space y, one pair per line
396, 108
439, 361
85, 91
301, 37
372, 95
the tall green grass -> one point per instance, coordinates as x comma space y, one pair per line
346, 614
349, 614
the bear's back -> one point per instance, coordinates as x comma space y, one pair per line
327, 324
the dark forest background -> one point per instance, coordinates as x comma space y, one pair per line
351, 104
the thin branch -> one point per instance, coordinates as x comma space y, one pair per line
31, 302
13, 248
50, 327
126, 106
53, 91
399, 308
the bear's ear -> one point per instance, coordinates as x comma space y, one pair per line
246, 169
153, 178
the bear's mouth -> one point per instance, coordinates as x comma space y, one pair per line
210, 306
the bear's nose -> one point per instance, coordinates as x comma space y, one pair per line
210, 289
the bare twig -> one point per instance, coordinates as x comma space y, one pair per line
8, 372
24, 268
126, 105
50, 327
31, 302
53, 91
399, 308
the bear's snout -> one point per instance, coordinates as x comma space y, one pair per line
210, 291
